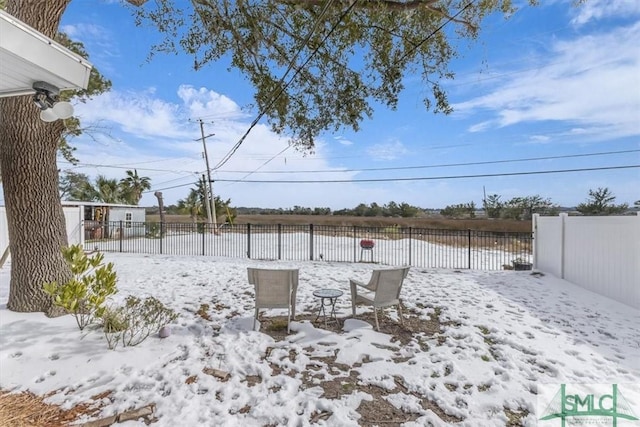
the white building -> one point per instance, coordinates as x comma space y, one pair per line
105, 220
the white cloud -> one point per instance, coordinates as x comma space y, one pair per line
387, 151
207, 103
137, 113
598, 9
156, 137
591, 81
342, 140
482, 126
540, 139
83, 31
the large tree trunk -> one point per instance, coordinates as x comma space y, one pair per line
28, 149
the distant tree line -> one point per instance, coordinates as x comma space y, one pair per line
520, 208
600, 202
128, 190
391, 209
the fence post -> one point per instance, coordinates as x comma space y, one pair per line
279, 241
248, 240
161, 236
311, 242
120, 234
410, 233
355, 244
563, 246
469, 248
203, 240
534, 244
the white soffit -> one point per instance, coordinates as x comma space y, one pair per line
28, 56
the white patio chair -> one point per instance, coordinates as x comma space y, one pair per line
383, 290
275, 289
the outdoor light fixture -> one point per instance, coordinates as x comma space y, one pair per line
47, 98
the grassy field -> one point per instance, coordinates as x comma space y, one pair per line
481, 224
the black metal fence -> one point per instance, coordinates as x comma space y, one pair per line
419, 247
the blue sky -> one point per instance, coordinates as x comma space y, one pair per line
554, 80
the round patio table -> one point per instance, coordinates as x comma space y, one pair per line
328, 298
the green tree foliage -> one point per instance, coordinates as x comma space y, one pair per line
408, 211
133, 186
375, 210
195, 204
391, 209
461, 210
492, 206
108, 190
191, 205
361, 210
523, 208
321, 211
352, 54
76, 186
601, 202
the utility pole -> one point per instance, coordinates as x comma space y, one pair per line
207, 205
211, 204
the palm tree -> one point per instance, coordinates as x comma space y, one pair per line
133, 186
108, 190
191, 205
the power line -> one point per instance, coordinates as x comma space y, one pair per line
333, 28
81, 165
443, 165
180, 178
265, 163
281, 89
430, 177
426, 39
169, 188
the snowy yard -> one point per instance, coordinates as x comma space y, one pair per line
476, 349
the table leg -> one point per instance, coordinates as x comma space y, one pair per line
331, 301
321, 310
333, 309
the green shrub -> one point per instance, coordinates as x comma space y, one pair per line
113, 326
153, 230
113, 320
85, 294
143, 318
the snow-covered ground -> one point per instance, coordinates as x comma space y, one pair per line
505, 336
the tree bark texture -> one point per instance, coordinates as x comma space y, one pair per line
28, 148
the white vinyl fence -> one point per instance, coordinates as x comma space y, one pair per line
73, 220
601, 254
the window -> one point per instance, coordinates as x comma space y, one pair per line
128, 218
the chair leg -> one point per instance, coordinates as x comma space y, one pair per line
255, 318
400, 313
354, 295
375, 314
